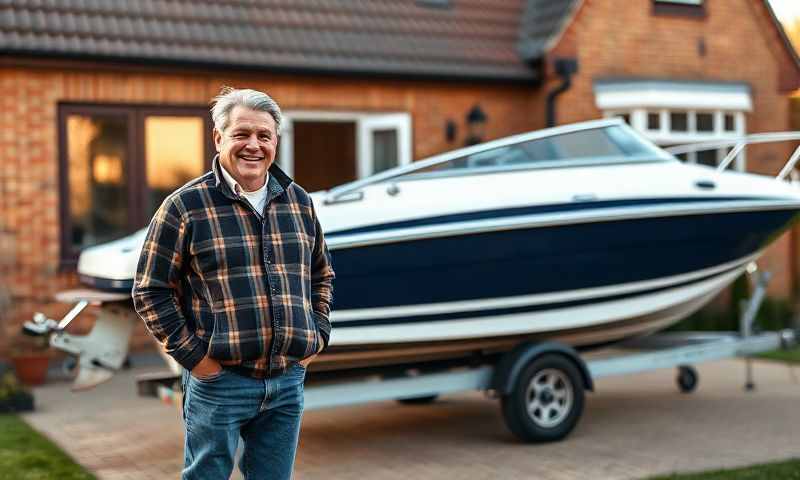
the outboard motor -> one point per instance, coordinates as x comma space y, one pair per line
104, 349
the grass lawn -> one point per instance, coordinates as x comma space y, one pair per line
792, 356
771, 471
26, 455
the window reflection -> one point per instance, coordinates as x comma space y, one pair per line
96, 149
173, 155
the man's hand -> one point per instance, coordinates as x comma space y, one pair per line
206, 368
308, 360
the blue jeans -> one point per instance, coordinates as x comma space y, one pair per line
265, 413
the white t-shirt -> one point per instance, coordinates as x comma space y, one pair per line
257, 198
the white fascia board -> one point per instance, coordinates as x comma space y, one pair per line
671, 138
611, 95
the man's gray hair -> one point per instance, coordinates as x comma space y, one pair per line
230, 97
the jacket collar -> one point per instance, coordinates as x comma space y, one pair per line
278, 181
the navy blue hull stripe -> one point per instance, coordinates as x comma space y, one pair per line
116, 286
557, 208
542, 260
468, 315
560, 258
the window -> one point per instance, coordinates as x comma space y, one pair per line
98, 179
434, 3
730, 126
706, 157
705, 122
119, 163
688, 8
653, 121
679, 122
170, 163
384, 150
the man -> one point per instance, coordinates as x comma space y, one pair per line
235, 281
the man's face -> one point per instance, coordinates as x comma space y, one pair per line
247, 146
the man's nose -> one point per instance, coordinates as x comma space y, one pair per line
252, 142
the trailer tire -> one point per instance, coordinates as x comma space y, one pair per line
687, 379
418, 400
546, 401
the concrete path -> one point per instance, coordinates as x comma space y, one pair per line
633, 427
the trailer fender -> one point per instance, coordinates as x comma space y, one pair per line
511, 365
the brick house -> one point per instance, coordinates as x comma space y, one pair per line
106, 102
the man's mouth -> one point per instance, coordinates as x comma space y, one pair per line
251, 158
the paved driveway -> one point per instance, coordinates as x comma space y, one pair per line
634, 426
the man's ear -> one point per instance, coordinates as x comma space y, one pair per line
217, 135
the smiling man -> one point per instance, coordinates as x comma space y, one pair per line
235, 281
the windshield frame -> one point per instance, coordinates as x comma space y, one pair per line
412, 171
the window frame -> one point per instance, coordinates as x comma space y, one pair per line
682, 2
682, 8
134, 115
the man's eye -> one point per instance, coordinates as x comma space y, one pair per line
264, 137
239, 135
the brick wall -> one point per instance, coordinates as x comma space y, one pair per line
740, 44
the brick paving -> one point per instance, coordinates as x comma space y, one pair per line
633, 427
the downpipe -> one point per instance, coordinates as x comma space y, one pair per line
564, 68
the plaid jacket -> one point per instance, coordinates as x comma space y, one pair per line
253, 290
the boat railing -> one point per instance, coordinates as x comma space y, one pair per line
739, 144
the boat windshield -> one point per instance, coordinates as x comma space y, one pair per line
599, 142
611, 144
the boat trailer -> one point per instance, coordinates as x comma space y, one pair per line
540, 385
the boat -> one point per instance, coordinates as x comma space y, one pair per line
585, 234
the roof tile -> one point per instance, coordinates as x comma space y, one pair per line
472, 38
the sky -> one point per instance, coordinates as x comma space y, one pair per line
786, 10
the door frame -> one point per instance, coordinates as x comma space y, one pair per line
366, 123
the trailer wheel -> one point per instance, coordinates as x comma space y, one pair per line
546, 401
687, 378
418, 400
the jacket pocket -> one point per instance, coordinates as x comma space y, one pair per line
237, 339
302, 336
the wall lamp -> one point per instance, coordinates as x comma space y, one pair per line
476, 125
